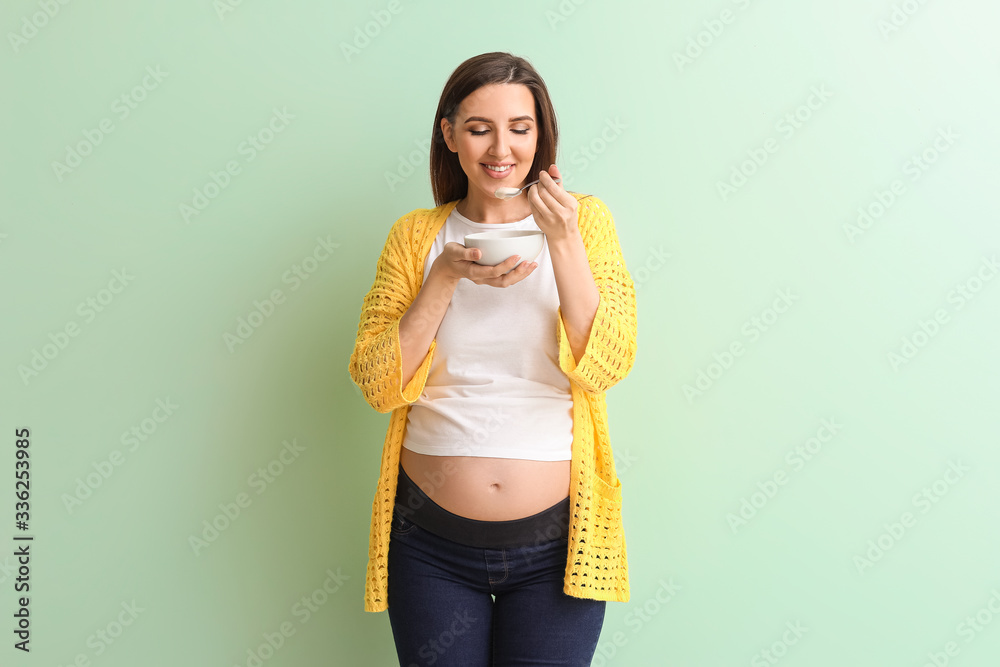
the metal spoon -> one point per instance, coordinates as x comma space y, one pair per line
510, 193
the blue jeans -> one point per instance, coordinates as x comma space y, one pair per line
442, 613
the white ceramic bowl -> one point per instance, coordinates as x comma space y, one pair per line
499, 244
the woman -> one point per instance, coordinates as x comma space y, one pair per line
496, 534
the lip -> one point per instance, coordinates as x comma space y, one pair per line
493, 174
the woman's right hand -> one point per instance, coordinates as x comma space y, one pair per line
457, 262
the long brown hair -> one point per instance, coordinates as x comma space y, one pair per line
448, 181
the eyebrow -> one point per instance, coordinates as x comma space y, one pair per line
480, 119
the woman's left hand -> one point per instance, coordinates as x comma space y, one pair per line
553, 208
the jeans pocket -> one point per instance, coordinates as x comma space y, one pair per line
400, 524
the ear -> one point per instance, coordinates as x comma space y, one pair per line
449, 138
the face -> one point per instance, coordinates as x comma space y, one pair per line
495, 126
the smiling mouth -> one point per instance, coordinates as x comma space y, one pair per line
499, 170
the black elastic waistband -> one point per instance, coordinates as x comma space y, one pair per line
416, 506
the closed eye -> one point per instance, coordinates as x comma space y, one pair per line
481, 132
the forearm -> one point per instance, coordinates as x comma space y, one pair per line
420, 323
578, 294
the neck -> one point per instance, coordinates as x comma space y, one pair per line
497, 211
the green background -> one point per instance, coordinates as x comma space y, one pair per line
705, 262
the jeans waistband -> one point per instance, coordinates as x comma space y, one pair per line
416, 506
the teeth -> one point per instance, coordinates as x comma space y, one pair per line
501, 169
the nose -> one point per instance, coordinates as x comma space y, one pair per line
499, 147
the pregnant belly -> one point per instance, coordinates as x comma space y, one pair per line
488, 489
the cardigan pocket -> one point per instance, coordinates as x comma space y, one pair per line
606, 509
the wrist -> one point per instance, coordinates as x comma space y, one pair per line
439, 279
570, 243
441, 275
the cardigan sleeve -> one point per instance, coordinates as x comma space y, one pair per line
376, 364
611, 345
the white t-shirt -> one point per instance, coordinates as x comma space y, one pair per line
494, 387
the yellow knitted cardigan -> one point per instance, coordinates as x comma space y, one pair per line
596, 564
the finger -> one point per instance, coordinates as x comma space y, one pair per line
554, 170
548, 197
498, 271
501, 269
543, 209
549, 177
512, 266
557, 191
